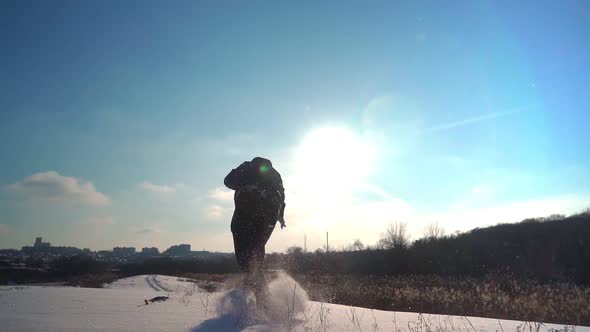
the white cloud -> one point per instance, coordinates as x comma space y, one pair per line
53, 186
157, 188
222, 194
464, 218
218, 212
482, 190
222, 205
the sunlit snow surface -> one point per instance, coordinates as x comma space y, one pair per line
121, 307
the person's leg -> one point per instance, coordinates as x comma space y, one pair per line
264, 231
245, 248
260, 285
243, 255
259, 255
237, 230
249, 244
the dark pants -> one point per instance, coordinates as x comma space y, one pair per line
251, 233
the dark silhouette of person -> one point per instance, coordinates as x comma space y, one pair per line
259, 200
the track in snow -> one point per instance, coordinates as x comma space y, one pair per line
157, 283
152, 281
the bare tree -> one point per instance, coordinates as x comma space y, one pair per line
395, 236
294, 250
358, 245
434, 231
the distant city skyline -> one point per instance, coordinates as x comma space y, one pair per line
118, 122
181, 249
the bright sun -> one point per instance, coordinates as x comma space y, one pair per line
333, 157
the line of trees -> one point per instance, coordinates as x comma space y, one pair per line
170, 266
84, 270
556, 248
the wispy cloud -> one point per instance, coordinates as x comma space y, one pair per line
376, 190
482, 190
146, 230
159, 188
53, 186
99, 221
476, 119
229, 146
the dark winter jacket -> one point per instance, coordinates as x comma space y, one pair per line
257, 175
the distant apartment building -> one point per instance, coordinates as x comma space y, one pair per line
179, 250
153, 251
123, 251
40, 244
105, 253
45, 248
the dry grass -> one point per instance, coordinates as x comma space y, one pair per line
495, 297
360, 291
92, 280
212, 277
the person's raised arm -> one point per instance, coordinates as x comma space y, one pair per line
235, 179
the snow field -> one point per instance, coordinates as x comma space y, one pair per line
120, 306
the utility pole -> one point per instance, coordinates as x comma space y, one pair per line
304, 243
327, 243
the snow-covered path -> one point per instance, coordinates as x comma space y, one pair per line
121, 307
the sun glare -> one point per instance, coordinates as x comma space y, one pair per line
329, 167
333, 157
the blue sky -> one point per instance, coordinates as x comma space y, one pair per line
118, 121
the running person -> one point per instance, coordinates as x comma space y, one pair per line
259, 200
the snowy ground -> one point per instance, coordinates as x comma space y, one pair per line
121, 307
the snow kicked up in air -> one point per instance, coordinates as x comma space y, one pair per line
286, 301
